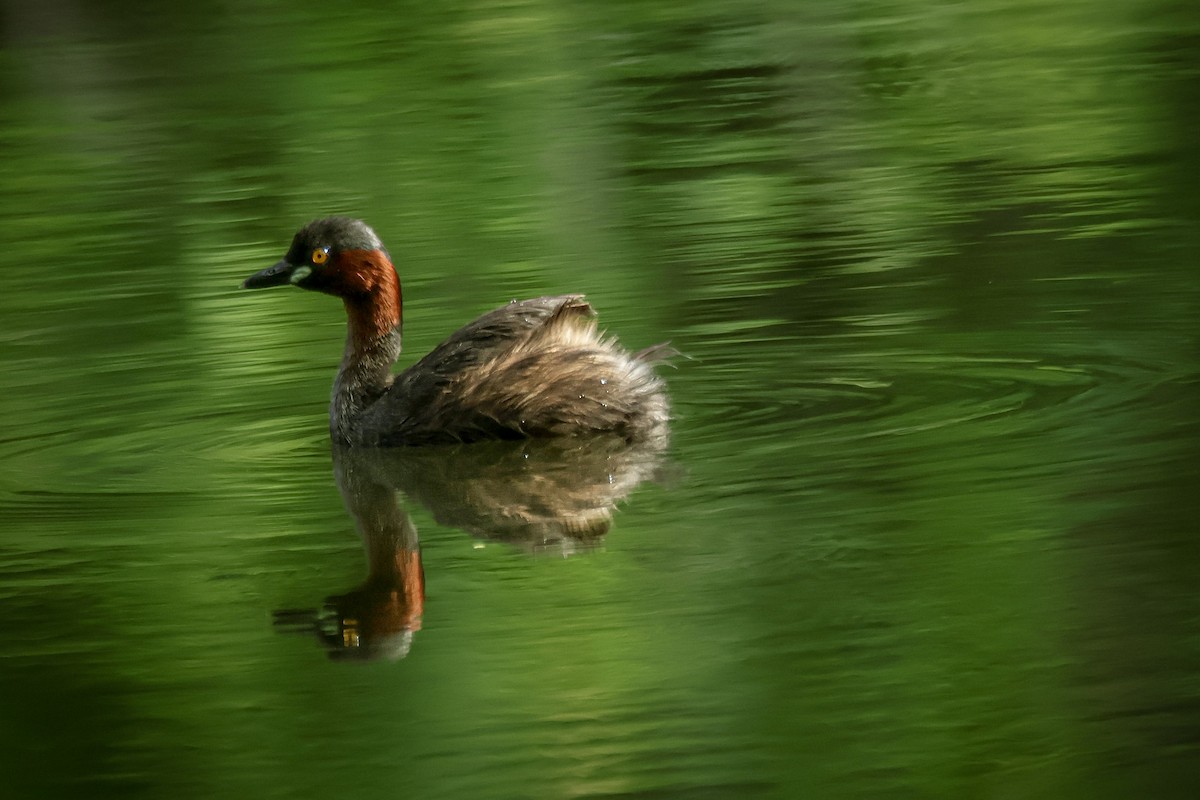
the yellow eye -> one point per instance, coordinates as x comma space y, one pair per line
320, 256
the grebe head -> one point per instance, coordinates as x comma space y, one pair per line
335, 255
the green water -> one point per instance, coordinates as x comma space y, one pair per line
927, 523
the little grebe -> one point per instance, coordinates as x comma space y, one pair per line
528, 369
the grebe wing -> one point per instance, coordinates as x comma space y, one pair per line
418, 406
537, 368
481, 340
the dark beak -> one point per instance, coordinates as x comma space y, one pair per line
277, 275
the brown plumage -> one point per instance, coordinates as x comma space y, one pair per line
532, 368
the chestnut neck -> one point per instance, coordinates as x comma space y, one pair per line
370, 291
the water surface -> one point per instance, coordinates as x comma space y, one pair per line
925, 526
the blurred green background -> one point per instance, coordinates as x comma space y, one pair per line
931, 525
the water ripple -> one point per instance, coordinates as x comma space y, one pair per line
854, 399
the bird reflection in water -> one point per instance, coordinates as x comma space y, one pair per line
552, 496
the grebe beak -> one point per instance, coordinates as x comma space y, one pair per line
278, 275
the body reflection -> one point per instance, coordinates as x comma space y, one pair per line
545, 496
